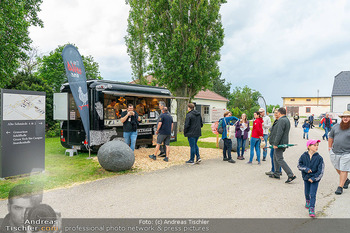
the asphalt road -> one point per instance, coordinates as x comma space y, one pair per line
213, 189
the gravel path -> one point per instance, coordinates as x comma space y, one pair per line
214, 189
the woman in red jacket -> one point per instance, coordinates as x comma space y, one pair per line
257, 136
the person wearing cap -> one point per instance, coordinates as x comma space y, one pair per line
282, 137
339, 150
311, 166
266, 126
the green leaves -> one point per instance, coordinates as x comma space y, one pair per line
244, 100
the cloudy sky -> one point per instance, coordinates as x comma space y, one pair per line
278, 47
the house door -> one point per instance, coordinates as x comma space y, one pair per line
206, 116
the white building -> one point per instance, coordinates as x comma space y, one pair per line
341, 92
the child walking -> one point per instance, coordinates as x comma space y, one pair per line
311, 166
306, 126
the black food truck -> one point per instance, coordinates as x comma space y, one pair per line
107, 100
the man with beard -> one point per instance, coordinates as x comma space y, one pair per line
339, 150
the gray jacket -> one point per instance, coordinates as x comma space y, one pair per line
282, 131
273, 132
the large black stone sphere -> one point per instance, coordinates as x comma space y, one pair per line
115, 156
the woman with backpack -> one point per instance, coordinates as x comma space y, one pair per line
224, 123
242, 129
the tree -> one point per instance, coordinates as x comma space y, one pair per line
245, 99
184, 38
271, 107
51, 69
220, 86
16, 16
136, 40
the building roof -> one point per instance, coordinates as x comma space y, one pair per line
210, 95
305, 97
341, 85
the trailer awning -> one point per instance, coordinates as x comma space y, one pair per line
122, 93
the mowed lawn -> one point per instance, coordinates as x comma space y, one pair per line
63, 171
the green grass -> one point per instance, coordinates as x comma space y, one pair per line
206, 133
60, 170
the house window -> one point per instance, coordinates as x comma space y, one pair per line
308, 99
348, 107
206, 110
308, 109
292, 99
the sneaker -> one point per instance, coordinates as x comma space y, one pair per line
312, 212
231, 161
152, 157
250, 163
346, 184
198, 160
290, 179
339, 190
189, 162
225, 159
274, 176
166, 159
307, 204
242, 158
269, 173
264, 159
259, 163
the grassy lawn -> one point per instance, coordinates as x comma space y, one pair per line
61, 170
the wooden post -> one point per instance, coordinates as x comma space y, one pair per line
217, 141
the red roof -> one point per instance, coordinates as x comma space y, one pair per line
210, 95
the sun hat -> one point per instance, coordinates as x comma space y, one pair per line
311, 142
346, 113
261, 110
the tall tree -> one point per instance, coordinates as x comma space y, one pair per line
220, 86
136, 40
16, 16
184, 39
51, 68
245, 99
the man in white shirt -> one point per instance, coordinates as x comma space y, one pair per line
266, 127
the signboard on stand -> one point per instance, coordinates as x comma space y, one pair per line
217, 114
22, 135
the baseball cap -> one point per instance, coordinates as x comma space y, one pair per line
261, 110
311, 142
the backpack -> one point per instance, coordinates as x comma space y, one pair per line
220, 128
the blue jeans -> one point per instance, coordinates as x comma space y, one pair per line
296, 123
271, 156
310, 192
254, 143
240, 144
326, 131
265, 149
227, 148
194, 148
130, 139
306, 134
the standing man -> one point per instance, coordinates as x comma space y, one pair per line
192, 131
227, 120
296, 119
130, 120
282, 137
311, 121
164, 128
327, 124
339, 150
271, 139
266, 127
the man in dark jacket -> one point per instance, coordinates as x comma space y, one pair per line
192, 131
281, 137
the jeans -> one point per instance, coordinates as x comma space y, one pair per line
271, 156
326, 131
306, 134
296, 123
227, 148
240, 144
265, 149
254, 143
310, 192
194, 148
279, 162
130, 139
